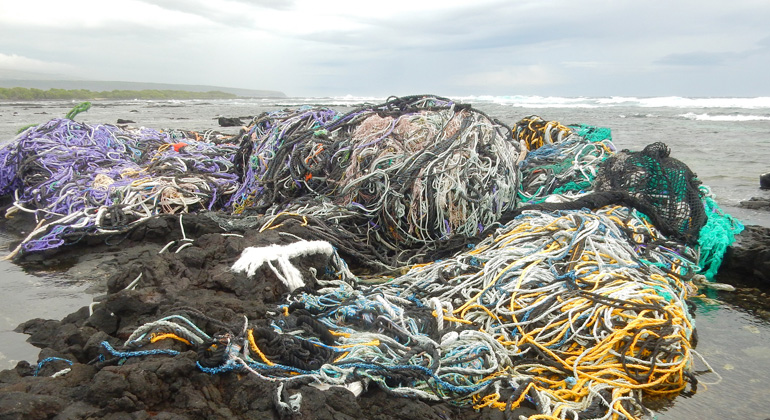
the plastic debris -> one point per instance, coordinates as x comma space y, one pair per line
81, 180
520, 269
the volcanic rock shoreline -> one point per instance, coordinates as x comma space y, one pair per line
198, 281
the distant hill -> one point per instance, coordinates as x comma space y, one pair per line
34, 94
98, 86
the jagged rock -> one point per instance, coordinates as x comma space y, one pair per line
756, 203
26, 406
764, 181
230, 122
747, 261
173, 387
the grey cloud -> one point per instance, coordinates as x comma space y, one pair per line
641, 51
220, 13
696, 59
707, 58
483, 26
269, 4
206, 10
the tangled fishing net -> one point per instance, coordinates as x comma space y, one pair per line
531, 268
668, 184
400, 180
401, 176
573, 315
562, 161
80, 180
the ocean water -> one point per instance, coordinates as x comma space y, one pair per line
725, 141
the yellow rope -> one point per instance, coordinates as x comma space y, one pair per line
255, 349
158, 337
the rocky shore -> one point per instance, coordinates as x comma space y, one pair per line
338, 280
198, 281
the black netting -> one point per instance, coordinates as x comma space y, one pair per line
660, 182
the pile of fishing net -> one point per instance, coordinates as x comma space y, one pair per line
666, 183
398, 177
81, 180
530, 268
399, 180
572, 314
577, 166
561, 162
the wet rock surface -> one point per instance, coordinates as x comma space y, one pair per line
756, 203
764, 181
747, 267
747, 261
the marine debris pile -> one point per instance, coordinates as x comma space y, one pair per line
400, 178
83, 181
425, 249
562, 162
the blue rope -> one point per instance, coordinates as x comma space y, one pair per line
230, 365
460, 389
127, 354
41, 363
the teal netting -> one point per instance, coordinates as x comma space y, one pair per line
715, 236
592, 133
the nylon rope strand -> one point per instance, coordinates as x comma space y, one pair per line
560, 310
82, 107
562, 161
81, 180
573, 313
715, 236
399, 176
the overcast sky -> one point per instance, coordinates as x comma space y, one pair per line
399, 47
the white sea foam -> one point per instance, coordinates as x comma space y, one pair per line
731, 117
527, 101
521, 101
516, 101
616, 101
680, 102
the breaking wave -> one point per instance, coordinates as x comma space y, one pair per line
730, 117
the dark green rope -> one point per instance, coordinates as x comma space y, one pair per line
83, 107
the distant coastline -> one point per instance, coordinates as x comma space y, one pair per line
32, 94
105, 89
